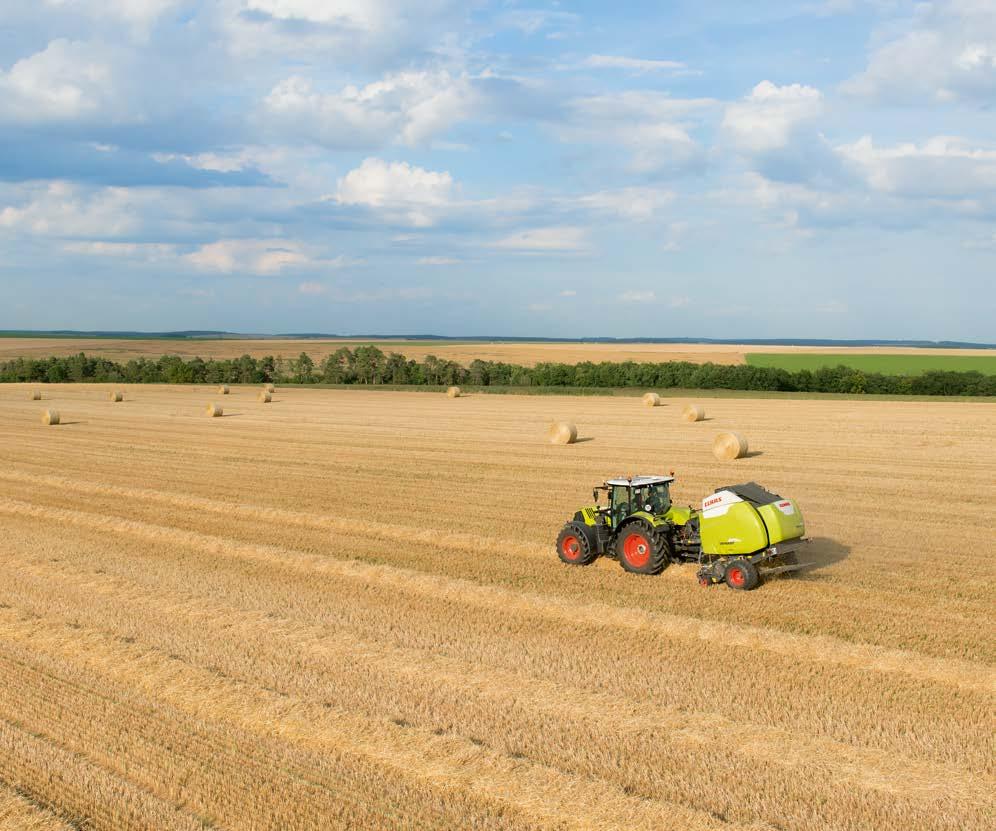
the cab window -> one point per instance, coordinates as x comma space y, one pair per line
620, 503
653, 498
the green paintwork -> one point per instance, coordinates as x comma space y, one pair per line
678, 515
590, 514
738, 531
781, 525
744, 529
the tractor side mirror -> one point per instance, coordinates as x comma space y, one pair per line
594, 494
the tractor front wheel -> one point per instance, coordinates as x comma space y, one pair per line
742, 575
639, 551
574, 547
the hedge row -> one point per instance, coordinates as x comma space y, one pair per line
369, 365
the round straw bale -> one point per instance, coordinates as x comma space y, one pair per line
453, 392
562, 432
215, 410
117, 395
50, 416
693, 412
729, 446
265, 397
269, 387
223, 389
652, 399
36, 395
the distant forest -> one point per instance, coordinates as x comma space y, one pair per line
369, 365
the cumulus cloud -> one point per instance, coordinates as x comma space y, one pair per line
769, 117
60, 209
67, 80
398, 189
357, 33
409, 107
942, 167
255, 256
545, 240
947, 53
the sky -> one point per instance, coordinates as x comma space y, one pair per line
797, 169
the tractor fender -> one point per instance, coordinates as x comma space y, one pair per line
643, 521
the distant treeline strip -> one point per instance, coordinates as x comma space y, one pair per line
369, 365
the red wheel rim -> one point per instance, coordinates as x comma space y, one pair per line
636, 550
571, 548
737, 576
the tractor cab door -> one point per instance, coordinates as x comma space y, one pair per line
619, 505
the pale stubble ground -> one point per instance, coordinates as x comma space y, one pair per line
343, 610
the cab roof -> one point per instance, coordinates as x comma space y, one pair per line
640, 481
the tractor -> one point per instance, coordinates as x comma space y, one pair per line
742, 534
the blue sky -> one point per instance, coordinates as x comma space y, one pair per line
819, 168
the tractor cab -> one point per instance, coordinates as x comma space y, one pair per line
647, 495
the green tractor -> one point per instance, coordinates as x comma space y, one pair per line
742, 534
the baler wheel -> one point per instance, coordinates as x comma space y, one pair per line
742, 575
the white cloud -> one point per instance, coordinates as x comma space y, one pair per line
67, 80
947, 53
639, 204
634, 64
438, 261
311, 288
539, 307
568, 293
149, 251
409, 107
398, 188
60, 209
537, 240
654, 127
133, 11
767, 118
638, 296
255, 256
356, 14
942, 167
531, 21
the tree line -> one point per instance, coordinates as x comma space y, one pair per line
369, 365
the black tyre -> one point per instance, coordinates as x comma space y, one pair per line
640, 550
742, 575
574, 546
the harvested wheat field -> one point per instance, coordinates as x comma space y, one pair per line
344, 610
517, 352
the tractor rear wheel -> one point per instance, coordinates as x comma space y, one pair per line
574, 546
639, 550
742, 575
